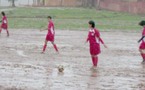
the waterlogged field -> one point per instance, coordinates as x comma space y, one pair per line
23, 67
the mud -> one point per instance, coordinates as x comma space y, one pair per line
23, 67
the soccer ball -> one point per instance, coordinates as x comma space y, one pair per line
60, 68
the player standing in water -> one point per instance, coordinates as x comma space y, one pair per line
142, 45
94, 40
50, 35
4, 23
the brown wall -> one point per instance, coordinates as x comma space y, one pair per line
67, 3
131, 6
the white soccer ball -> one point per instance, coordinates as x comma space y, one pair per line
60, 68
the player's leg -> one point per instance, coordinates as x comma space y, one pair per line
45, 45
0, 29
142, 54
7, 32
94, 51
93, 60
54, 45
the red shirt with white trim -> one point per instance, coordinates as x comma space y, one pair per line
94, 36
4, 24
51, 31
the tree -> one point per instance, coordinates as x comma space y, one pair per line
85, 3
12, 2
43, 1
98, 4
89, 3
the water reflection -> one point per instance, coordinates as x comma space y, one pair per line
60, 73
94, 73
143, 64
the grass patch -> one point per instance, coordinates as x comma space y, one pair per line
72, 18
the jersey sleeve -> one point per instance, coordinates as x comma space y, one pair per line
4, 20
98, 36
49, 26
51, 29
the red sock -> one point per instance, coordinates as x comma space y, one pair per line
55, 47
93, 61
96, 61
44, 47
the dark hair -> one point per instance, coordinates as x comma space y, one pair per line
92, 23
142, 23
3, 13
49, 17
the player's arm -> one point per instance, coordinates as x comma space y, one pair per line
141, 39
87, 38
52, 30
100, 39
43, 29
98, 36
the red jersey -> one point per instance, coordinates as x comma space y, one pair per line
142, 45
94, 36
51, 31
4, 22
143, 34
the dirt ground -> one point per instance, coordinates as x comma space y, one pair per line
23, 67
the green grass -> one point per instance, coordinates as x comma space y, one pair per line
72, 18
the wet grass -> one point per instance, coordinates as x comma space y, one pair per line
72, 18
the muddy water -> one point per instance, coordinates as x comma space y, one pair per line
23, 67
